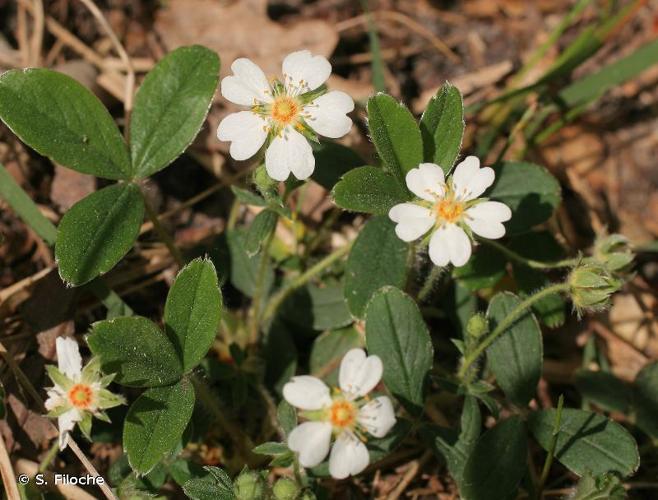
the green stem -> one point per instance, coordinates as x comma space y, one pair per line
302, 279
535, 264
551, 449
508, 321
162, 232
254, 323
428, 286
50, 456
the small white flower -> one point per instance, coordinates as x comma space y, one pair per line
450, 209
284, 113
347, 415
79, 393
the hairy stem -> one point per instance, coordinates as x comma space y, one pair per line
508, 321
551, 449
429, 284
254, 320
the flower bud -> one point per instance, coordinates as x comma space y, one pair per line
614, 252
591, 286
477, 326
266, 186
250, 485
285, 489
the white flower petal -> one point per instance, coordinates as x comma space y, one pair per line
247, 132
349, 457
307, 393
304, 72
68, 357
469, 180
450, 244
358, 374
426, 181
328, 114
412, 220
56, 398
289, 152
377, 416
486, 218
248, 84
311, 440
66, 422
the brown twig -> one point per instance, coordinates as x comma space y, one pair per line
130, 70
7, 472
37, 33
21, 34
414, 467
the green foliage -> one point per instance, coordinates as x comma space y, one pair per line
529, 190
243, 268
260, 230
587, 442
370, 190
61, 119
378, 258
485, 268
645, 399
155, 423
442, 127
170, 107
395, 134
604, 390
396, 332
497, 463
333, 161
455, 446
216, 485
193, 311
603, 487
516, 357
328, 350
97, 232
136, 350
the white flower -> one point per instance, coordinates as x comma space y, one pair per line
450, 209
347, 415
78, 393
284, 113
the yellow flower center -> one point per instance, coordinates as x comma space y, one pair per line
80, 396
285, 110
342, 414
449, 209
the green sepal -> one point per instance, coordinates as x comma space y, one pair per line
107, 399
85, 425
59, 378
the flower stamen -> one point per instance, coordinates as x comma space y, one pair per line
81, 396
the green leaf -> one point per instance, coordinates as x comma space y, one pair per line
645, 399
260, 230
369, 190
216, 485
396, 135
192, 311
244, 269
530, 191
97, 232
587, 442
136, 350
61, 119
497, 463
155, 423
604, 487
516, 356
328, 351
456, 446
271, 449
332, 161
378, 258
170, 107
485, 268
248, 197
280, 355
287, 416
25, 208
604, 390
442, 127
319, 308
594, 85
396, 332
